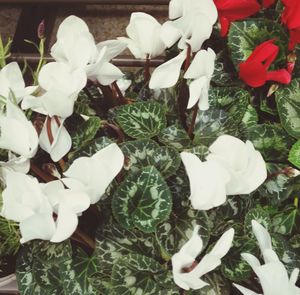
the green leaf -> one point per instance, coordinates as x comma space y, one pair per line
144, 152
213, 123
143, 200
142, 119
244, 36
83, 105
284, 222
138, 274
175, 136
86, 132
294, 155
271, 140
258, 214
9, 236
288, 104
250, 117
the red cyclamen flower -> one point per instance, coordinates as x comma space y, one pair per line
291, 18
254, 71
232, 10
268, 3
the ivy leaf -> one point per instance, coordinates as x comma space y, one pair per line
138, 274
144, 152
244, 36
271, 140
288, 104
86, 132
175, 136
142, 119
143, 200
294, 155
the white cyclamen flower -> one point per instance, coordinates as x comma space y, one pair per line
272, 275
94, 174
28, 202
75, 44
208, 182
58, 146
186, 258
200, 71
167, 74
144, 36
61, 86
12, 83
193, 26
19, 136
246, 165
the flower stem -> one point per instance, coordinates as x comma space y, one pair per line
49, 130
188, 58
147, 69
116, 129
193, 122
85, 238
120, 95
44, 176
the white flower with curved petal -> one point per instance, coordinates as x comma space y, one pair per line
67, 204
272, 275
201, 71
75, 44
186, 258
144, 36
193, 26
11, 80
94, 174
245, 164
19, 136
62, 141
167, 74
61, 85
208, 182
24, 202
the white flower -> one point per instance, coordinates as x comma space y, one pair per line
75, 44
167, 74
100, 69
19, 136
32, 205
67, 204
11, 80
144, 36
187, 255
207, 182
245, 165
272, 275
76, 47
58, 146
123, 85
94, 174
61, 87
193, 26
201, 71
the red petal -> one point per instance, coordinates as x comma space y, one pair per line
281, 76
253, 73
236, 9
265, 52
225, 24
294, 39
268, 3
291, 14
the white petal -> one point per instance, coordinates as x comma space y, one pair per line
77, 201
108, 74
66, 224
169, 34
175, 8
114, 48
194, 246
133, 47
196, 88
294, 276
262, 236
39, 226
224, 244
251, 260
244, 290
167, 74
71, 25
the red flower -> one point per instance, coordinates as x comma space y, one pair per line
268, 3
254, 71
291, 18
232, 10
